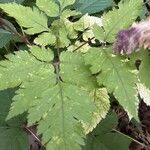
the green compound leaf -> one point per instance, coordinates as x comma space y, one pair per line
64, 109
32, 19
67, 108
50, 7
117, 76
12, 136
5, 37
120, 18
88, 6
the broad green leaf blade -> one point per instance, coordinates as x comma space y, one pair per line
67, 13
32, 93
72, 106
120, 18
46, 38
113, 140
10, 1
81, 77
12, 137
101, 99
144, 70
64, 109
18, 68
50, 7
144, 93
65, 3
5, 100
87, 22
107, 124
102, 138
108, 141
32, 19
5, 37
74, 63
92, 6
117, 76
42, 54
98, 33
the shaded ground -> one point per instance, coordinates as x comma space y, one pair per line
140, 132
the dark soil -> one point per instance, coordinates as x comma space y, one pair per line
141, 131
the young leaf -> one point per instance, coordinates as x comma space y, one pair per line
98, 32
117, 76
32, 19
120, 18
87, 22
59, 29
46, 38
50, 7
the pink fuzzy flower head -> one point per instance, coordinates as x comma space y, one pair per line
129, 40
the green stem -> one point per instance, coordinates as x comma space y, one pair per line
22, 37
82, 44
129, 137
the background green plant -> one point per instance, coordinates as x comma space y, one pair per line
55, 79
